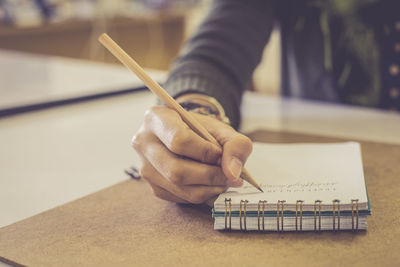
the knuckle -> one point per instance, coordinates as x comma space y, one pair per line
151, 113
206, 154
245, 142
209, 154
175, 173
179, 141
138, 139
212, 176
136, 142
148, 114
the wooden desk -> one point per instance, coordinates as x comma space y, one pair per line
125, 225
54, 156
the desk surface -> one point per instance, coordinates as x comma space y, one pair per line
126, 225
53, 156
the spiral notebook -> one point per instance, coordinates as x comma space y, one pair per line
307, 187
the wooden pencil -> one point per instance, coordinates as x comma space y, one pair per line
169, 101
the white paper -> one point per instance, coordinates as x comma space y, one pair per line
306, 172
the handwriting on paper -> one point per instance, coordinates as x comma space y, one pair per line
298, 187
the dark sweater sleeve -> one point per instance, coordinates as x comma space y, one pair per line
220, 58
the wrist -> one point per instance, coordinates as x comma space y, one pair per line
203, 104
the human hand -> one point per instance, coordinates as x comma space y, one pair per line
183, 167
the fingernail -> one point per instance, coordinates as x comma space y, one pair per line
235, 167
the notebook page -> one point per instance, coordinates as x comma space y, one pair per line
305, 172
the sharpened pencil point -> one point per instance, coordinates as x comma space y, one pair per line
260, 189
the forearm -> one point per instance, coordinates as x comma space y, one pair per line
220, 58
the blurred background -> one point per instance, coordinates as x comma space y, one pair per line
150, 30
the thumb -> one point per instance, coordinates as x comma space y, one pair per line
236, 150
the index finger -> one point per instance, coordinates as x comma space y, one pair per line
173, 132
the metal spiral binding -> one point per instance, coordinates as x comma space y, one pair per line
280, 214
226, 213
319, 215
352, 214
244, 203
334, 203
263, 202
281, 204
301, 214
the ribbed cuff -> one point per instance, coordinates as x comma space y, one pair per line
197, 77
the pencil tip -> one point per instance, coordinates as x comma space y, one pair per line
260, 189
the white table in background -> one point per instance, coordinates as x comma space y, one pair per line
30, 79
